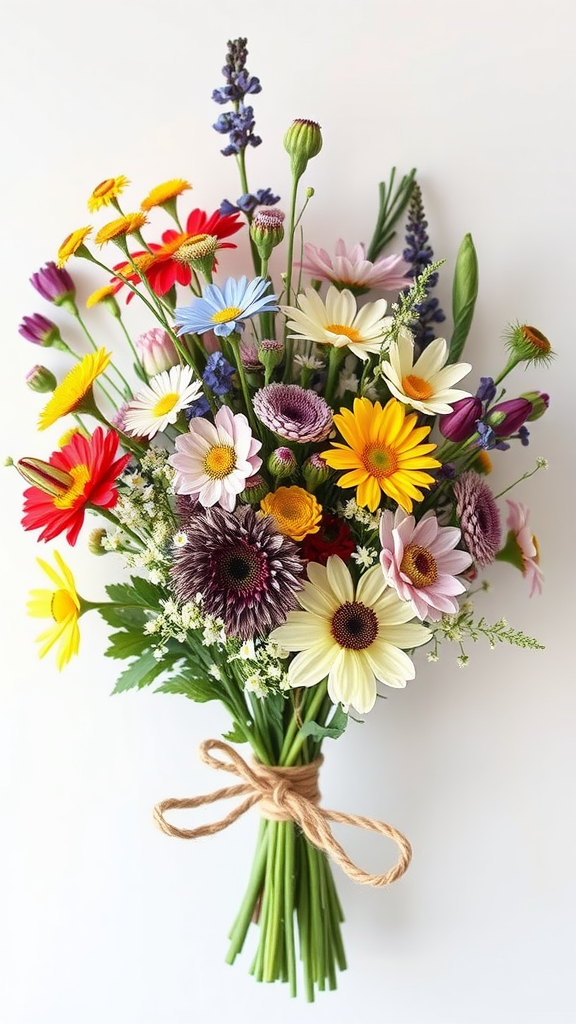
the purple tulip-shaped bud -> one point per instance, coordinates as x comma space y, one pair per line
460, 424
507, 417
539, 400
54, 284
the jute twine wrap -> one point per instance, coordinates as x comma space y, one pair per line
283, 794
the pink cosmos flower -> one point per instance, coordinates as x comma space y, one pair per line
213, 461
517, 523
418, 559
351, 269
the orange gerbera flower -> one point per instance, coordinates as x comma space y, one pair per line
71, 244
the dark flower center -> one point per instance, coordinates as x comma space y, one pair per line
241, 568
419, 565
354, 626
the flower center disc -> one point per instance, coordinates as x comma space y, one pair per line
379, 460
165, 404
416, 387
62, 606
344, 329
220, 461
354, 626
223, 315
419, 565
80, 477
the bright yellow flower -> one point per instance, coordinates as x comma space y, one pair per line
71, 244
106, 192
295, 510
383, 453
164, 193
76, 386
63, 607
100, 295
120, 227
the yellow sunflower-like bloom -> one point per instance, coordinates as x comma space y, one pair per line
296, 511
63, 607
75, 388
383, 453
71, 244
121, 227
106, 192
100, 295
164, 193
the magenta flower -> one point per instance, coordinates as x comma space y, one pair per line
507, 417
293, 413
460, 424
521, 547
478, 516
54, 284
349, 268
419, 560
40, 331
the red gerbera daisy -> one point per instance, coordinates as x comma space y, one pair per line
159, 265
92, 469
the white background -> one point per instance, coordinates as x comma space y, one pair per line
104, 920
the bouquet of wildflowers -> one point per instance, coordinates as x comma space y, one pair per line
294, 479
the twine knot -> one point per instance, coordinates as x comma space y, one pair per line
283, 794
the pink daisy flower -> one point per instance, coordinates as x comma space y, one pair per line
213, 461
351, 269
419, 560
520, 532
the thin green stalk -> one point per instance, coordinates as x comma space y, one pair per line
293, 742
289, 887
245, 915
289, 342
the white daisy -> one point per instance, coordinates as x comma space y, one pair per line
338, 321
355, 636
214, 460
158, 403
425, 385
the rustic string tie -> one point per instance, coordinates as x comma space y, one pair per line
283, 794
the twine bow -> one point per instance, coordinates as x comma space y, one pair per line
284, 794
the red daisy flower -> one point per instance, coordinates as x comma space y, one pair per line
159, 265
92, 468
333, 538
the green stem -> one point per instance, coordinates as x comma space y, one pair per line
289, 342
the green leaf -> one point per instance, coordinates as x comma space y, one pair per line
234, 735
127, 618
335, 727
464, 295
127, 645
139, 593
143, 671
196, 688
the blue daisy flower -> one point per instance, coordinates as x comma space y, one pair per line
222, 310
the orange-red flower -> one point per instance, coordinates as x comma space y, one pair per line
89, 470
159, 265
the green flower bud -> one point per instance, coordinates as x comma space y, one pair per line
315, 471
41, 379
95, 541
282, 462
539, 401
302, 141
267, 231
464, 294
256, 488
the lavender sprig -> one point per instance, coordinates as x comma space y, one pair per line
419, 254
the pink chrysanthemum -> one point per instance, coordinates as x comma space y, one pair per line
349, 268
478, 516
420, 561
293, 413
214, 460
517, 523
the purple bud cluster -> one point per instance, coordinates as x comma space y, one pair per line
419, 254
238, 123
493, 425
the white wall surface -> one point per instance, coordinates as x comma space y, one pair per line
104, 920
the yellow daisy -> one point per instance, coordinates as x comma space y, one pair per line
296, 511
127, 225
100, 295
106, 192
71, 244
164, 193
63, 607
383, 453
75, 389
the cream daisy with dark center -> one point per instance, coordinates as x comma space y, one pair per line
354, 626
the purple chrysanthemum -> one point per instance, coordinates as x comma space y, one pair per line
478, 517
246, 571
293, 413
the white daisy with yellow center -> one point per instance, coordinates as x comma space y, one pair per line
337, 321
354, 635
157, 405
424, 384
